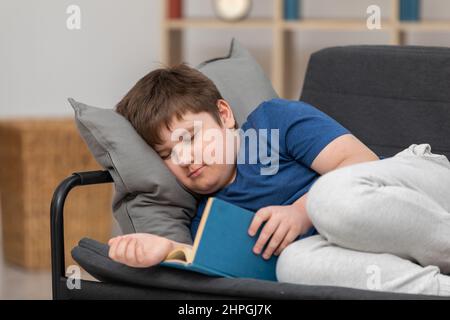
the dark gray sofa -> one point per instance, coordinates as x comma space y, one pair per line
387, 96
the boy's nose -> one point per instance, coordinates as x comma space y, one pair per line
185, 161
187, 158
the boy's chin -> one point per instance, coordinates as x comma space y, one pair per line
204, 190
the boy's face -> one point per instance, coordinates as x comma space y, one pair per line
200, 153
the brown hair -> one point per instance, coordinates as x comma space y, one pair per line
165, 92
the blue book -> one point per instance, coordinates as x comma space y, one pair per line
291, 9
409, 10
222, 246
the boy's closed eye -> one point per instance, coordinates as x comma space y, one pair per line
167, 156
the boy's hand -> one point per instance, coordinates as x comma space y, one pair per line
284, 224
139, 250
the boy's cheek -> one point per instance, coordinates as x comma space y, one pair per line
175, 169
179, 172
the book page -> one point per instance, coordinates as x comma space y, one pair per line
202, 223
182, 254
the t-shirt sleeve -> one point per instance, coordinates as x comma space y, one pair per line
308, 131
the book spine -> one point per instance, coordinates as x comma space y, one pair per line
291, 9
175, 9
409, 10
195, 268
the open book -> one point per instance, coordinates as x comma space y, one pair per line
222, 245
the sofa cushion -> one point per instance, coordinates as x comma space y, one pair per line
93, 257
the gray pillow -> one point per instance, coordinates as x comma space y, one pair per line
148, 198
240, 79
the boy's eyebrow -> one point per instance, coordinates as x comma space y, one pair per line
190, 129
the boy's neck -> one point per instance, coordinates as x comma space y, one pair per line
236, 151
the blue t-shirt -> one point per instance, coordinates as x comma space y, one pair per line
303, 132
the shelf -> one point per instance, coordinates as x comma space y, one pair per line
330, 24
280, 33
305, 24
178, 24
425, 26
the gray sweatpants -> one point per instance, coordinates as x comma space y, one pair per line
384, 225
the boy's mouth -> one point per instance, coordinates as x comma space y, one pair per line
196, 172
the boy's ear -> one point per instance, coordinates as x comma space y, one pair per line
226, 114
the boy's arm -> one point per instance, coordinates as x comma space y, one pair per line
342, 151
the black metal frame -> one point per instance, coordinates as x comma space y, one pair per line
57, 223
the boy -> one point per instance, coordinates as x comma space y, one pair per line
311, 235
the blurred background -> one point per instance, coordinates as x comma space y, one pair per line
43, 61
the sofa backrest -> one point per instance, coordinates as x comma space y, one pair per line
388, 96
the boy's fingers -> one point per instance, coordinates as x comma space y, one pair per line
265, 234
260, 216
130, 254
113, 250
139, 254
121, 248
290, 237
112, 240
145, 259
278, 236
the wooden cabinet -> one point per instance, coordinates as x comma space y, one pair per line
35, 156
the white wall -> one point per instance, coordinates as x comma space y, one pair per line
42, 62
